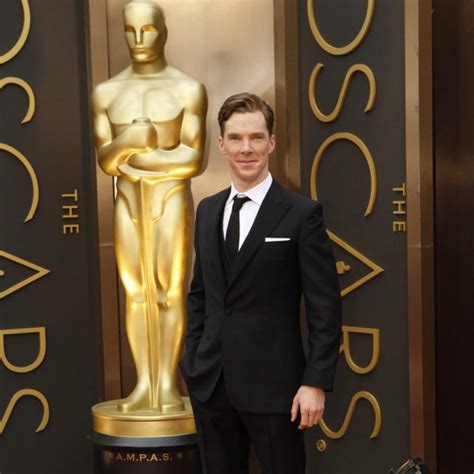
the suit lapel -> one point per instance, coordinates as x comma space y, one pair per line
214, 231
271, 212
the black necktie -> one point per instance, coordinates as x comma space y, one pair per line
232, 235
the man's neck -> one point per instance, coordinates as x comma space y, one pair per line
243, 186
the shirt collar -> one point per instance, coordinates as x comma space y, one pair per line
257, 193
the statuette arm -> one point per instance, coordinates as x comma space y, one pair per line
185, 160
112, 152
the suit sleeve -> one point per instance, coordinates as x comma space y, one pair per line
196, 298
321, 293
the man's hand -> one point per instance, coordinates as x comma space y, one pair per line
309, 401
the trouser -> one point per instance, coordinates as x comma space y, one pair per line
225, 435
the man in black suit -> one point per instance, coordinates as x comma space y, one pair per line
258, 248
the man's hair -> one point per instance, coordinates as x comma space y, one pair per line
242, 103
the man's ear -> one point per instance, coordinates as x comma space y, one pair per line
272, 143
221, 144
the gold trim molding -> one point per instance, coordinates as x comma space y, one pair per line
419, 153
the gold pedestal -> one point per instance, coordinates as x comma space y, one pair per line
147, 423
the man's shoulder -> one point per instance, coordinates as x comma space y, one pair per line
209, 201
298, 201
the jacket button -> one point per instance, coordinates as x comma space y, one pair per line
228, 311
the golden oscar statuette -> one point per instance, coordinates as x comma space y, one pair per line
149, 127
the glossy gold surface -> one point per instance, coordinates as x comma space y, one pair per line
222, 61
142, 423
149, 123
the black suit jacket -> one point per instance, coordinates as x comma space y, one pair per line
247, 322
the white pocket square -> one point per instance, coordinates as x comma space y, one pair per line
276, 239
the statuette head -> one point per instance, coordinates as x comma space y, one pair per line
145, 30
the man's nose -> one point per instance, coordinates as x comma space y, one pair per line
246, 148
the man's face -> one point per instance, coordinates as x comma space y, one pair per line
247, 145
145, 32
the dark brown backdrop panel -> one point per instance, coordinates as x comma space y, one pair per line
454, 164
366, 239
48, 157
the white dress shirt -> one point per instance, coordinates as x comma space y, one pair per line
249, 210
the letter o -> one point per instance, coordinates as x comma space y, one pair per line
334, 50
25, 31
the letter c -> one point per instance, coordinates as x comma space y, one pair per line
34, 179
368, 158
29, 92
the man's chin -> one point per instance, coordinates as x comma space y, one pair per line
251, 177
247, 175
250, 170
